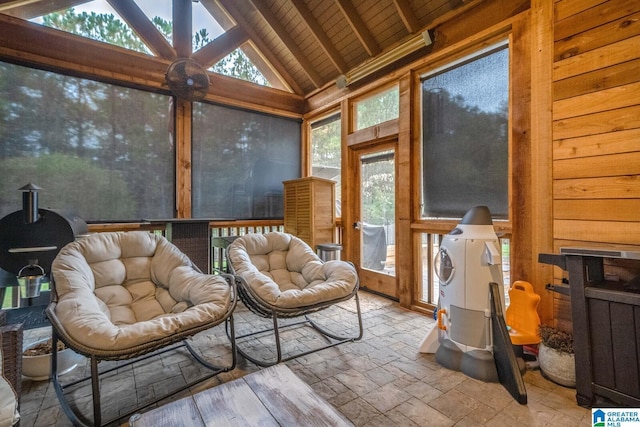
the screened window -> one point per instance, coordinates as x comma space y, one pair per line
381, 107
101, 151
465, 136
240, 159
325, 152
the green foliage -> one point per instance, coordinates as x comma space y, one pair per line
238, 65
378, 109
556, 339
102, 27
109, 29
326, 145
378, 193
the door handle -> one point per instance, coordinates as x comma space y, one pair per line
357, 225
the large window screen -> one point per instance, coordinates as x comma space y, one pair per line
240, 159
101, 151
465, 136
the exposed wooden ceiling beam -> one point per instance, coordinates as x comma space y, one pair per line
8, 4
268, 71
223, 45
24, 42
34, 45
145, 29
358, 26
182, 13
288, 41
320, 36
219, 13
231, 6
248, 95
256, 57
28, 9
407, 15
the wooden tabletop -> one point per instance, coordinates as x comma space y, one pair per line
273, 396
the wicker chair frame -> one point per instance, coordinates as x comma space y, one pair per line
261, 308
132, 355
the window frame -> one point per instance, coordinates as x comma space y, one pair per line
442, 226
354, 102
318, 121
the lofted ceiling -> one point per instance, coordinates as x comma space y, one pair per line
300, 46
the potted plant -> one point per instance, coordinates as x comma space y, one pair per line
556, 357
36, 360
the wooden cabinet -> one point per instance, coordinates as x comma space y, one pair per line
309, 210
606, 326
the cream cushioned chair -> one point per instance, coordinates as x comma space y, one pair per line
122, 295
282, 277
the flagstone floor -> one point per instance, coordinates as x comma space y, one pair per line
381, 380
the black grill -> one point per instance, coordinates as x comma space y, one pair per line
33, 234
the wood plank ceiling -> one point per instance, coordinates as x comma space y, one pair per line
300, 46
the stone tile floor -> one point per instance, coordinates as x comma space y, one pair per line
381, 380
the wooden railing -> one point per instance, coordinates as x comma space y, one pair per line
427, 292
221, 228
237, 228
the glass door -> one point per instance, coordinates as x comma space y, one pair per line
376, 222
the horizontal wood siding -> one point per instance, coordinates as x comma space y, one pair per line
596, 128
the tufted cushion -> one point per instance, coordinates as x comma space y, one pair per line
285, 272
119, 290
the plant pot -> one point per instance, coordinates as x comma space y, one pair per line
38, 368
558, 366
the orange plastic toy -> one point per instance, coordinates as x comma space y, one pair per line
522, 315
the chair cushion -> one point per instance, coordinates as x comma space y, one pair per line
283, 270
119, 290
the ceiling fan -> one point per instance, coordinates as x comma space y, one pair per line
187, 79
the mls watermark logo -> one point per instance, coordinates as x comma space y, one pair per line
615, 417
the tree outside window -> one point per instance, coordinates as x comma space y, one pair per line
326, 152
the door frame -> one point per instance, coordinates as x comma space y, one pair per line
370, 280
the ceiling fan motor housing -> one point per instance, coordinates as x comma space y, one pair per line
187, 79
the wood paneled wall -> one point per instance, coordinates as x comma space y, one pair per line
596, 128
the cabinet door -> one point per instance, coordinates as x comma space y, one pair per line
324, 214
290, 209
304, 212
310, 210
